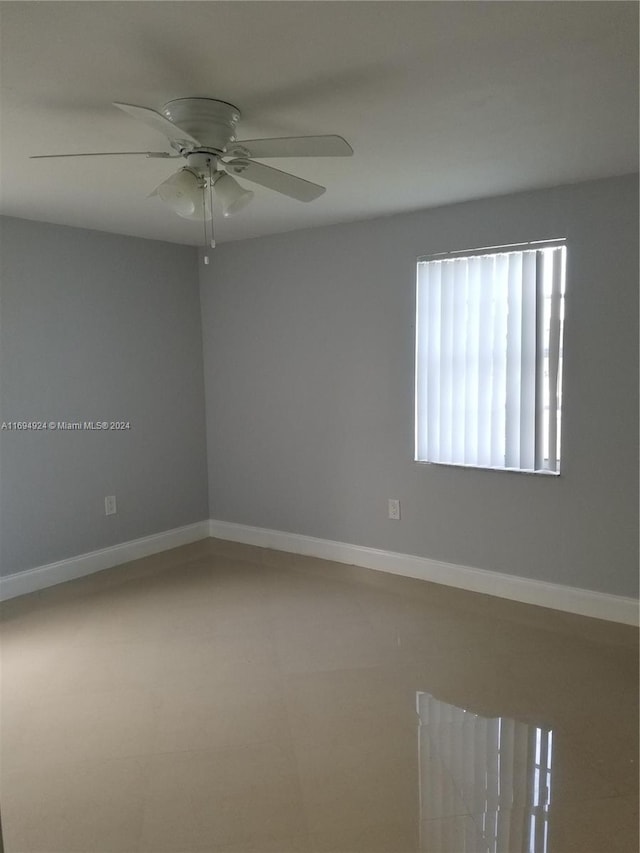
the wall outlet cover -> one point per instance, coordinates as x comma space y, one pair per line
394, 509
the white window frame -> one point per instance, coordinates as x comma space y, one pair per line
432, 416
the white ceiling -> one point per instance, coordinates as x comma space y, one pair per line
441, 102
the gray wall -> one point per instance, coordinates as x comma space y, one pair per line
308, 344
97, 327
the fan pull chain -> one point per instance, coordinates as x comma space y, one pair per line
204, 219
212, 242
213, 239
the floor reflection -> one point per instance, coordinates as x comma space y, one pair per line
485, 783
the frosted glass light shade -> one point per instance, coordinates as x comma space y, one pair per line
202, 206
183, 193
232, 195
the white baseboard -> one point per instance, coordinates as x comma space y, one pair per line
32, 580
585, 602
600, 605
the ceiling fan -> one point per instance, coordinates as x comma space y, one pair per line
202, 131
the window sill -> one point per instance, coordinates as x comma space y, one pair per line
543, 473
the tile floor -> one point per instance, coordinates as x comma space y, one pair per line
225, 698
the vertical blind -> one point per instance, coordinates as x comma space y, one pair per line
489, 358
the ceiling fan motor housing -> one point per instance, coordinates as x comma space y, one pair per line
201, 162
211, 122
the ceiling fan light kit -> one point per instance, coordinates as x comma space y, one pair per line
183, 193
233, 197
203, 132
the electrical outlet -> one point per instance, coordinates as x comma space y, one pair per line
394, 509
110, 505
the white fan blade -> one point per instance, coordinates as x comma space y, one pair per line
162, 154
274, 179
158, 122
292, 146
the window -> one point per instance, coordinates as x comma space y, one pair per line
489, 327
